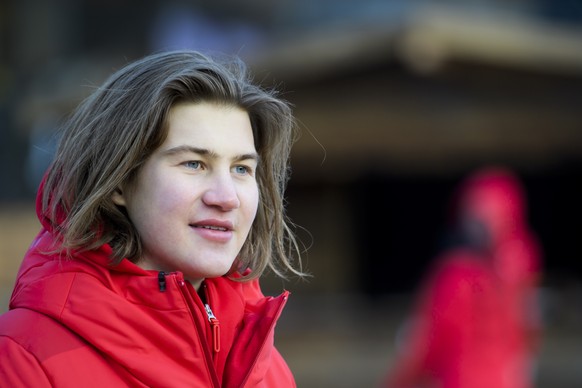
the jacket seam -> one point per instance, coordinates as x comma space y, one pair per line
66, 299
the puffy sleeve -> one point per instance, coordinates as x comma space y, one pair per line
19, 368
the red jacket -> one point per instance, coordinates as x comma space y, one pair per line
82, 323
461, 333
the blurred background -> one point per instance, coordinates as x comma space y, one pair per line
397, 101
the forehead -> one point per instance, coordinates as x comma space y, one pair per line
212, 125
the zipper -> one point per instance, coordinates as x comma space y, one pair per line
162, 281
184, 288
215, 328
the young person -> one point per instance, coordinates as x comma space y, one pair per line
161, 209
475, 322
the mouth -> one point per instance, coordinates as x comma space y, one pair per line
211, 227
214, 230
217, 225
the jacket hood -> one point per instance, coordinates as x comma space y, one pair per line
47, 242
495, 199
45, 220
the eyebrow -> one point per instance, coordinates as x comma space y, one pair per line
183, 149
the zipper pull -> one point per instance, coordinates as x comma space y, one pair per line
162, 281
215, 326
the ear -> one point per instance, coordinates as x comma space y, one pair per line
118, 197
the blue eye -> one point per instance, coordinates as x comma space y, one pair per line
193, 164
241, 170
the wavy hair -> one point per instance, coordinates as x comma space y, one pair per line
114, 131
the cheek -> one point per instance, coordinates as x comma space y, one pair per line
169, 201
156, 202
169, 194
251, 201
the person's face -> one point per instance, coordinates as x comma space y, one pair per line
194, 200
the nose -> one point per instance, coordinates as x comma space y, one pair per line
221, 192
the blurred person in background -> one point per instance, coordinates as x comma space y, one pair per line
476, 322
162, 208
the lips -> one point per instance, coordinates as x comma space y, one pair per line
219, 225
216, 231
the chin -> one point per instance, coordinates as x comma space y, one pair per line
212, 272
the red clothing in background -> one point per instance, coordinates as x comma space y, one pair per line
476, 321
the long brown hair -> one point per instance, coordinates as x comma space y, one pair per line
114, 131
